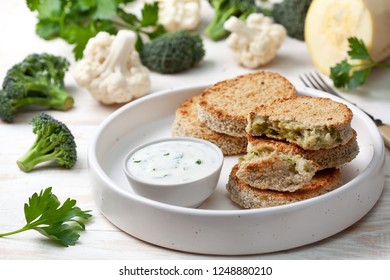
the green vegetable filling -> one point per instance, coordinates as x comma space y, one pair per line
292, 131
296, 163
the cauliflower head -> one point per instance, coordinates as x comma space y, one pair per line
111, 69
177, 15
255, 42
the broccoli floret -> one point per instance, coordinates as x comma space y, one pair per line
37, 80
6, 110
223, 9
54, 142
291, 14
173, 52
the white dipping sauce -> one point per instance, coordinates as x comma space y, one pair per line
172, 162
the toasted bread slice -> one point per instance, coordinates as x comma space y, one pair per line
310, 122
323, 158
224, 106
186, 124
270, 169
248, 197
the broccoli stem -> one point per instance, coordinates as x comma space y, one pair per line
59, 104
215, 29
27, 162
53, 97
40, 151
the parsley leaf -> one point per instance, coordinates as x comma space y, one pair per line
347, 75
149, 14
105, 9
76, 21
340, 73
357, 49
45, 214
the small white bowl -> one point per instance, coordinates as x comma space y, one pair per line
180, 171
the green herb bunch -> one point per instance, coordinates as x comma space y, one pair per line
45, 214
76, 21
347, 75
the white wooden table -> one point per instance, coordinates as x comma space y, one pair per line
369, 238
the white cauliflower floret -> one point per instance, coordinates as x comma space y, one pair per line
178, 14
255, 42
111, 69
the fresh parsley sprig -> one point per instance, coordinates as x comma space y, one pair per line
76, 21
347, 75
45, 214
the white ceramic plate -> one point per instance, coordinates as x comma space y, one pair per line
218, 226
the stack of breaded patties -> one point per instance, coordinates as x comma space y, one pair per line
291, 145
294, 148
219, 114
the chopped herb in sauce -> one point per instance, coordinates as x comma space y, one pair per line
172, 162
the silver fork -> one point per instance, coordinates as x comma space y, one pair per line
314, 80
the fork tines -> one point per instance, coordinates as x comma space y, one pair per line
314, 80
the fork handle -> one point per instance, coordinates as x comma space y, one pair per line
385, 131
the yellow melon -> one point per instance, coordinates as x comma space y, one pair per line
329, 24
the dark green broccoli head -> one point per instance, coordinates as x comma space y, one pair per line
35, 73
54, 142
291, 14
223, 10
6, 109
173, 52
37, 80
52, 68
